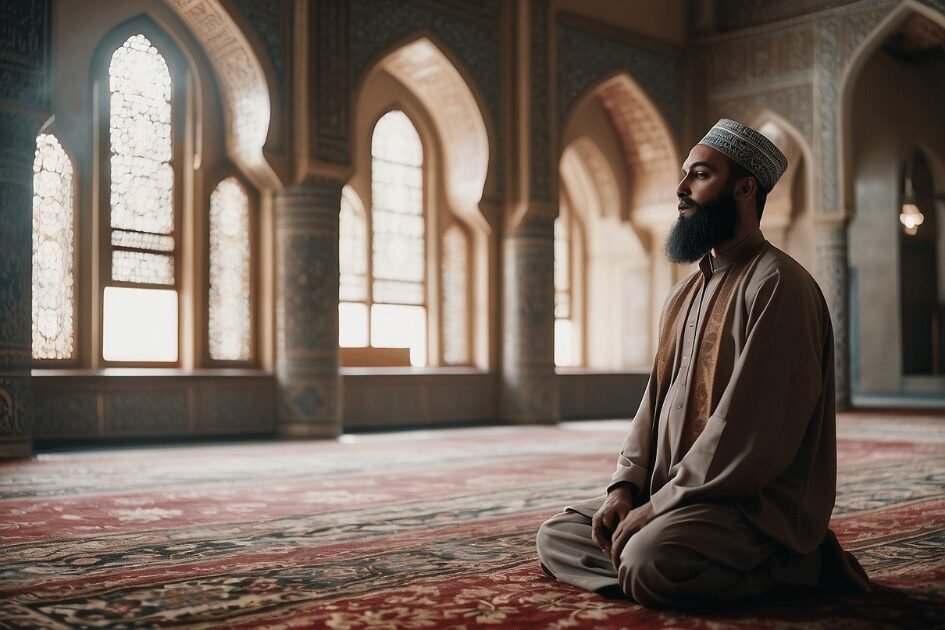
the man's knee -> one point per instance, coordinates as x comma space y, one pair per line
550, 536
543, 540
655, 573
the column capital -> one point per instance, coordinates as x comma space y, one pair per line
529, 217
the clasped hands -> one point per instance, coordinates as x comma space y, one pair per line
617, 520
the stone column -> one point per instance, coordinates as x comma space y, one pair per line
833, 276
831, 255
307, 309
529, 391
528, 385
16, 288
24, 105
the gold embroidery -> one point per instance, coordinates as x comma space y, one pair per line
702, 395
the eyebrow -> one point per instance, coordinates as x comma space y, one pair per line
695, 164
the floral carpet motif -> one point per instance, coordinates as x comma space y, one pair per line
411, 530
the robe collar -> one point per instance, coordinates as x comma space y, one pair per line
748, 246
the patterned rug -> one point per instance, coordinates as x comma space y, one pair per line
410, 530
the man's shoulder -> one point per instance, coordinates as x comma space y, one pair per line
777, 266
774, 260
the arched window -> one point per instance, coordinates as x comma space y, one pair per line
53, 252
229, 314
455, 292
153, 264
140, 302
353, 267
568, 268
398, 238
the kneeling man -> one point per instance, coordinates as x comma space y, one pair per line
727, 478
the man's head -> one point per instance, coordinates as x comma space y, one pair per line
726, 180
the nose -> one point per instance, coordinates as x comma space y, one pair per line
682, 190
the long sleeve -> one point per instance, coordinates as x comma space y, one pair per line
635, 461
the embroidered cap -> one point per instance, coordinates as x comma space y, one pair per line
749, 149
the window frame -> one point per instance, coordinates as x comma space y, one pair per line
180, 91
577, 277
202, 298
429, 223
363, 215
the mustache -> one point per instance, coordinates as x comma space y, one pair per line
686, 203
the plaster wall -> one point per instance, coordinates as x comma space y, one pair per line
895, 109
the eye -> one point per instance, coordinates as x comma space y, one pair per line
701, 174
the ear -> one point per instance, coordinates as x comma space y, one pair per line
746, 187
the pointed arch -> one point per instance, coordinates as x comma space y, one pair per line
419, 78
851, 73
244, 85
875, 142
619, 151
649, 149
459, 120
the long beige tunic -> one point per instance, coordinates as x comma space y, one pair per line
769, 445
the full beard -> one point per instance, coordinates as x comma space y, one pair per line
712, 223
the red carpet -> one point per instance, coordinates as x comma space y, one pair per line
428, 530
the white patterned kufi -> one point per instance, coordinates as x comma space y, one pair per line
749, 149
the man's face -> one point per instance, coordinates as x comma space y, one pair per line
708, 214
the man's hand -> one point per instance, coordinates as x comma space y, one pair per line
618, 504
630, 525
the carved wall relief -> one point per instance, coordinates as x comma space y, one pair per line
585, 58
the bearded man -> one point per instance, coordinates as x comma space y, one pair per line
727, 478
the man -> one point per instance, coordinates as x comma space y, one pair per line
727, 478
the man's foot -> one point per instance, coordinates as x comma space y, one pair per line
839, 570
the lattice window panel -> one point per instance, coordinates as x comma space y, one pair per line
229, 311
398, 230
141, 170
53, 252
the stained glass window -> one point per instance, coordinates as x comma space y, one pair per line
142, 176
229, 299
53, 237
455, 301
